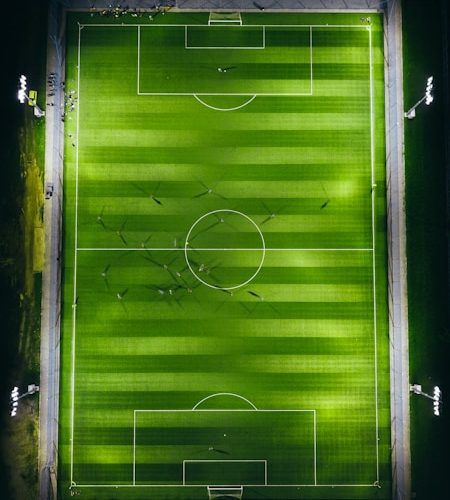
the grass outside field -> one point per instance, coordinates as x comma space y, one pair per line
22, 164
277, 194
427, 226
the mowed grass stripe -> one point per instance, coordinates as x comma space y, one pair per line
168, 174
248, 381
133, 138
304, 277
142, 111
143, 119
134, 348
234, 363
165, 310
222, 155
345, 188
247, 328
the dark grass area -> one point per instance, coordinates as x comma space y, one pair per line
27, 25
427, 232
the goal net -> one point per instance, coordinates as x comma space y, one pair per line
225, 492
224, 18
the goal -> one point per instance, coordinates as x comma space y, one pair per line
224, 18
225, 492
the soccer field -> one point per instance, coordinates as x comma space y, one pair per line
224, 295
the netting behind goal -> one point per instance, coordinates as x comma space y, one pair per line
223, 18
225, 492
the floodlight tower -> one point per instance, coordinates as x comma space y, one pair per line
428, 98
23, 96
436, 397
14, 400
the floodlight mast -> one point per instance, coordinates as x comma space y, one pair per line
428, 98
436, 397
15, 396
23, 96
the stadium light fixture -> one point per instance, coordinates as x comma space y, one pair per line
21, 94
436, 397
23, 97
428, 98
15, 396
14, 401
437, 401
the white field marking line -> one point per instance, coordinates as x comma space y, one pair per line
74, 305
172, 249
262, 46
98, 25
224, 394
134, 448
315, 447
263, 249
261, 94
195, 410
223, 109
311, 59
264, 462
275, 249
229, 410
203, 485
372, 166
218, 24
138, 58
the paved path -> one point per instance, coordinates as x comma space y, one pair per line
51, 276
398, 300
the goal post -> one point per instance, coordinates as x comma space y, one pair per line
225, 18
224, 492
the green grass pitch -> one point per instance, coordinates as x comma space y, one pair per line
225, 310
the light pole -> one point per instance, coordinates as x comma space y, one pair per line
23, 96
436, 397
428, 98
15, 397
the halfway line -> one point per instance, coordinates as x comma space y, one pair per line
182, 249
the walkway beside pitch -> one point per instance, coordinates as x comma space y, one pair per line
397, 262
51, 276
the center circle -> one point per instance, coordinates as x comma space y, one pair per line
215, 226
